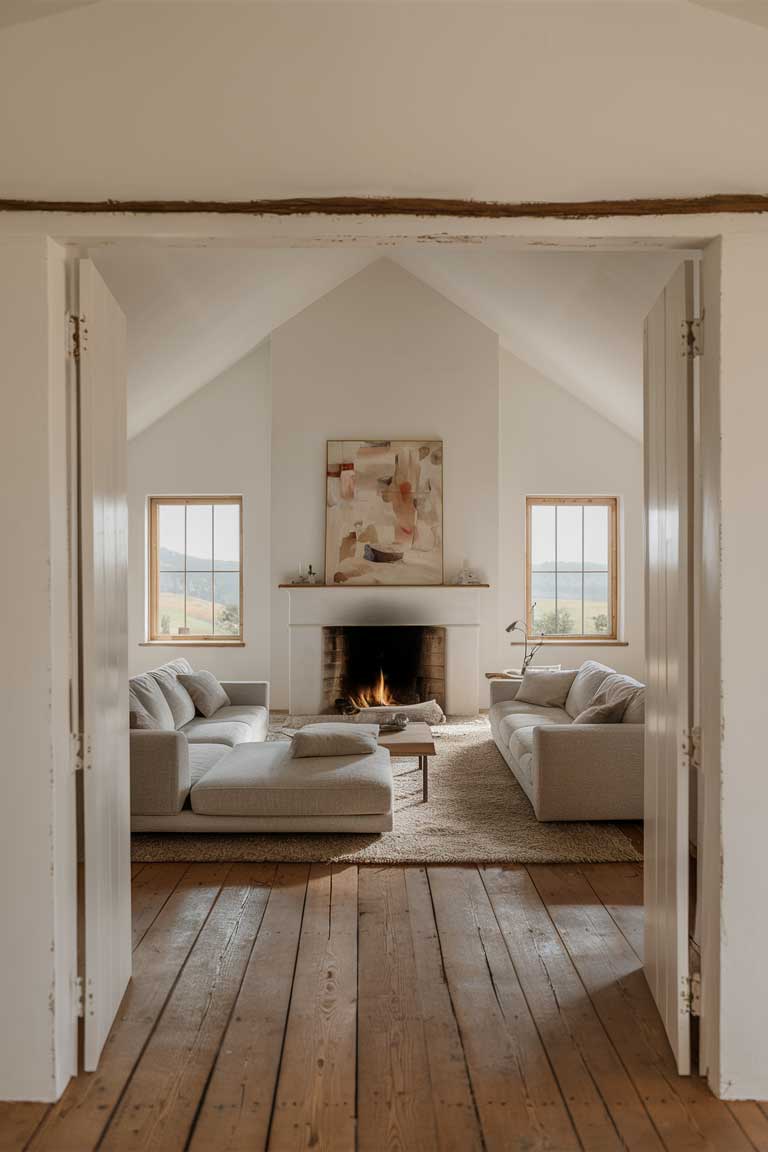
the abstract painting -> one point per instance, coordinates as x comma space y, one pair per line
384, 512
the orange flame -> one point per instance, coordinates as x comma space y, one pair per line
375, 696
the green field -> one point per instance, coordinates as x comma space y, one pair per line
170, 615
592, 608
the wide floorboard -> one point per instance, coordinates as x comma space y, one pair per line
284, 1007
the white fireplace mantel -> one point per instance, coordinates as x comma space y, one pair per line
312, 608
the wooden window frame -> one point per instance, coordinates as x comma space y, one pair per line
612, 504
157, 637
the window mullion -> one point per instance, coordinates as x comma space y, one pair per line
583, 564
186, 509
557, 613
213, 565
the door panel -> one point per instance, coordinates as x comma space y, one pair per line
103, 657
668, 471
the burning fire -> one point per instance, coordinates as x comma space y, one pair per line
374, 696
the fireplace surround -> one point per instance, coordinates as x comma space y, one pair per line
368, 665
311, 609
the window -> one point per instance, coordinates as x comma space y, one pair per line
196, 576
571, 551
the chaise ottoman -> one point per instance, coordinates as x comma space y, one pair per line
260, 787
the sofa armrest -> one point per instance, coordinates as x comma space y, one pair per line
503, 690
160, 779
247, 691
588, 771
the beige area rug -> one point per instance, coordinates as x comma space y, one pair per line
476, 813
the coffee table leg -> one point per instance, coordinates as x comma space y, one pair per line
424, 778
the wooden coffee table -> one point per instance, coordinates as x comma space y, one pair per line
415, 740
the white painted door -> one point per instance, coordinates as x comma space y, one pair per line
103, 657
668, 487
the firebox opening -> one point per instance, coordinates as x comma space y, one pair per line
388, 665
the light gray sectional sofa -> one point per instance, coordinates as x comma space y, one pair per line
574, 771
168, 761
217, 774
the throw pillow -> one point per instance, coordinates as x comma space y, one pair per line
206, 692
545, 687
602, 712
329, 739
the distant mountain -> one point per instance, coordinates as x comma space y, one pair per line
171, 561
569, 566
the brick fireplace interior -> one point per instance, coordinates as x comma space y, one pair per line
369, 665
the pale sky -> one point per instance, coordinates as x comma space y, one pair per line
569, 534
199, 541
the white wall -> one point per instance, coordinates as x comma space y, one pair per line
37, 819
383, 356
216, 443
743, 1070
517, 101
553, 445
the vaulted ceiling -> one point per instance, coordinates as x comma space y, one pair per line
556, 99
575, 316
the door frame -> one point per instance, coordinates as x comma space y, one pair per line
688, 227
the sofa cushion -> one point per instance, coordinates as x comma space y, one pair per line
229, 732
146, 691
507, 715
518, 720
334, 739
525, 772
253, 714
266, 780
179, 700
202, 758
512, 708
206, 691
588, 679
521, 742
545, 686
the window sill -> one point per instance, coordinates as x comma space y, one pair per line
571, 643
181, 642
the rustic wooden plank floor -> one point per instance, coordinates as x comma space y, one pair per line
390, 1009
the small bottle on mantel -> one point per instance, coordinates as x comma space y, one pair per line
466, 576
311, 575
